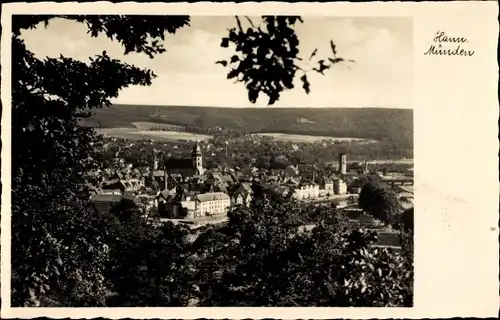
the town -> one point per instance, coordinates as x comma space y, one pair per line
182, 190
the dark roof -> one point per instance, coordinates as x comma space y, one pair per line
166, 193
184, 195
245, 187
270, 186
111, 181
179, 163
106, 197
212, 196
196, 149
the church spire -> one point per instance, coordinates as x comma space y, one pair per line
197, 157
196, 149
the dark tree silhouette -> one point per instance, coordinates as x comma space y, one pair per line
263, 257
267, 57
380, 202
54, 231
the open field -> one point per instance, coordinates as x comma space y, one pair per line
394, 125
156, 125
136, 133
304, 138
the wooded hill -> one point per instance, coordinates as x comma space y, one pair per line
395, 125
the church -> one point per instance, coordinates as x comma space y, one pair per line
186, 167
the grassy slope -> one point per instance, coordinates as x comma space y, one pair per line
369, 123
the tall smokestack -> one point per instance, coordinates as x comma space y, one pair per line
343, 163
165, 178
366, 166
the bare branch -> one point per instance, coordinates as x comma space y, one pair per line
239, 23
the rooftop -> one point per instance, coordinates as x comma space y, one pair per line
406, 189
106, 197
211, 196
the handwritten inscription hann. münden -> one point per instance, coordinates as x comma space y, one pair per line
445, 45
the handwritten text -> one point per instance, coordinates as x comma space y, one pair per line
449, 46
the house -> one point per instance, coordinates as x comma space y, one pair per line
93, 190
175, 204
125, 185
135, 174
210, 204
339, 187
291, 171
242, 195
306, 190
355, 190
326, 184
104, 202
147, 202
159, 177
282, 191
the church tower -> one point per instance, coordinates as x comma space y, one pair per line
197, 158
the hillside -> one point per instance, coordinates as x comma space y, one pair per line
395, 125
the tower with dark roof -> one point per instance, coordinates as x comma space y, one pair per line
186, 167
197, 158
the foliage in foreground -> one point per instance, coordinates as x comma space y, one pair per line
262, 257
57, 244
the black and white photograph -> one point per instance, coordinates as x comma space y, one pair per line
212, 161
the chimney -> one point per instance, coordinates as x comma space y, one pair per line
155, 164
343, 163
165, 178
366, 166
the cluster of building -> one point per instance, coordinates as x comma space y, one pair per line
182, 188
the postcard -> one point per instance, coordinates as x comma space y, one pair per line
254, 160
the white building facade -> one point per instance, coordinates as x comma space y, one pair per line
211, 204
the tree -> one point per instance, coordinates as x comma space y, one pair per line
267, 57
264, 258
149, 266
385, 206
379, 201
366, 196
54, 231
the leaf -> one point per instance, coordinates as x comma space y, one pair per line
225, 42
334, 50
336, 60
305, 84
313, 54
233, 73
222, 62
234, 59
253, 95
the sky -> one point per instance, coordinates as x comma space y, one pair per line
382, 75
